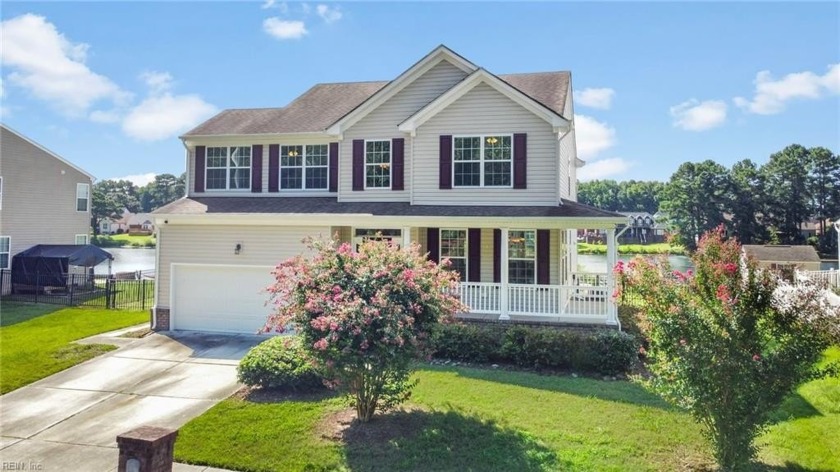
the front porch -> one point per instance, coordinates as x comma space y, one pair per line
513, 274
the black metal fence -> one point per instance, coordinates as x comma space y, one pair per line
127, 291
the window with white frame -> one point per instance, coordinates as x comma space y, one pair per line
81, 239
378, 164
482, 161
453, 246
522, 256
228, 168
82, 197
5, 251
304, 167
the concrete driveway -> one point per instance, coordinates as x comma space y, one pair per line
70, 420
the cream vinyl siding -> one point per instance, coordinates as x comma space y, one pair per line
566, 160
487, 255
214, 244
483, 110
39, 196
382, 123
265, 142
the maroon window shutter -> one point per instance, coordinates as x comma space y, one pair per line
273, 167
433, 243
397, 163
543, 257
256, 168
474, 255
199, 168
358, 164
445, 162
497, 256
333, 167
520, 160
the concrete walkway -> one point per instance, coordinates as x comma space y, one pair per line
70, 420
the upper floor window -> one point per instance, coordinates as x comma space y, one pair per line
522, 256
482, 161
453, 246
82, 197
5, 251
304, 167
378, 164
229, 168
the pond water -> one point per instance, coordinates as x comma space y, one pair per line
128, 260
598, 263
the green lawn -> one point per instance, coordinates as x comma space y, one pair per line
486, 420
659, 248
124, 240
36, 340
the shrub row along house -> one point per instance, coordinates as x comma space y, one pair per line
474, 167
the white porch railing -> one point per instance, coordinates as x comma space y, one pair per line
596, 279
571, 301
830, 278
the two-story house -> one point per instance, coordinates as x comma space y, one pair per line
44, 199
474, 167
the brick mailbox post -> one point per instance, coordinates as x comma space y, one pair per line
146, 449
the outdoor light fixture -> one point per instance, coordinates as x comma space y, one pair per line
238, 248
492, 140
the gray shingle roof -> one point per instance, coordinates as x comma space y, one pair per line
782, 253
330, 205
324, 104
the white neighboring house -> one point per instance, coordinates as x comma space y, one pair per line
474, 167
44, 199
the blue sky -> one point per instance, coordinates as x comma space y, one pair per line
110, 86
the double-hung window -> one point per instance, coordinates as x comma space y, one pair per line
229, 168
81, 239
522, 256
453, 246
82, 197
5, 251
378, 164
304, 167
482, 161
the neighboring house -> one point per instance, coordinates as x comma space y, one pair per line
140, 224
642, 228
471, 166
784, 257
44, 199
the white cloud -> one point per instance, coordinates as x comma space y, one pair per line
305, 8
45, 63
282, 6
592, 136
138, 179
603, 168
158, 82
595, 97
694, 115
105, 116
166, 115
284, 29
328, 14
772, 94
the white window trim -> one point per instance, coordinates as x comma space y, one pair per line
1, 192
76, 239
532, 259
466, 256
482, 137
87, 198
390, 163
303, 166
8, 259
227, 170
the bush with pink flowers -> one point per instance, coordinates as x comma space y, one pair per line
730, 341
365, 316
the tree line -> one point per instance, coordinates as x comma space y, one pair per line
758, 204
111, 197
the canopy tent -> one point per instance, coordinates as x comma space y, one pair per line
49, 264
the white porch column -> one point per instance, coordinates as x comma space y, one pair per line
406, 237
504, 274
612, 259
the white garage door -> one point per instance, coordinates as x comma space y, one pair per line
222, 298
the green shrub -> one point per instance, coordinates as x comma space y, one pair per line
280, 362
467, 342
602, 351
